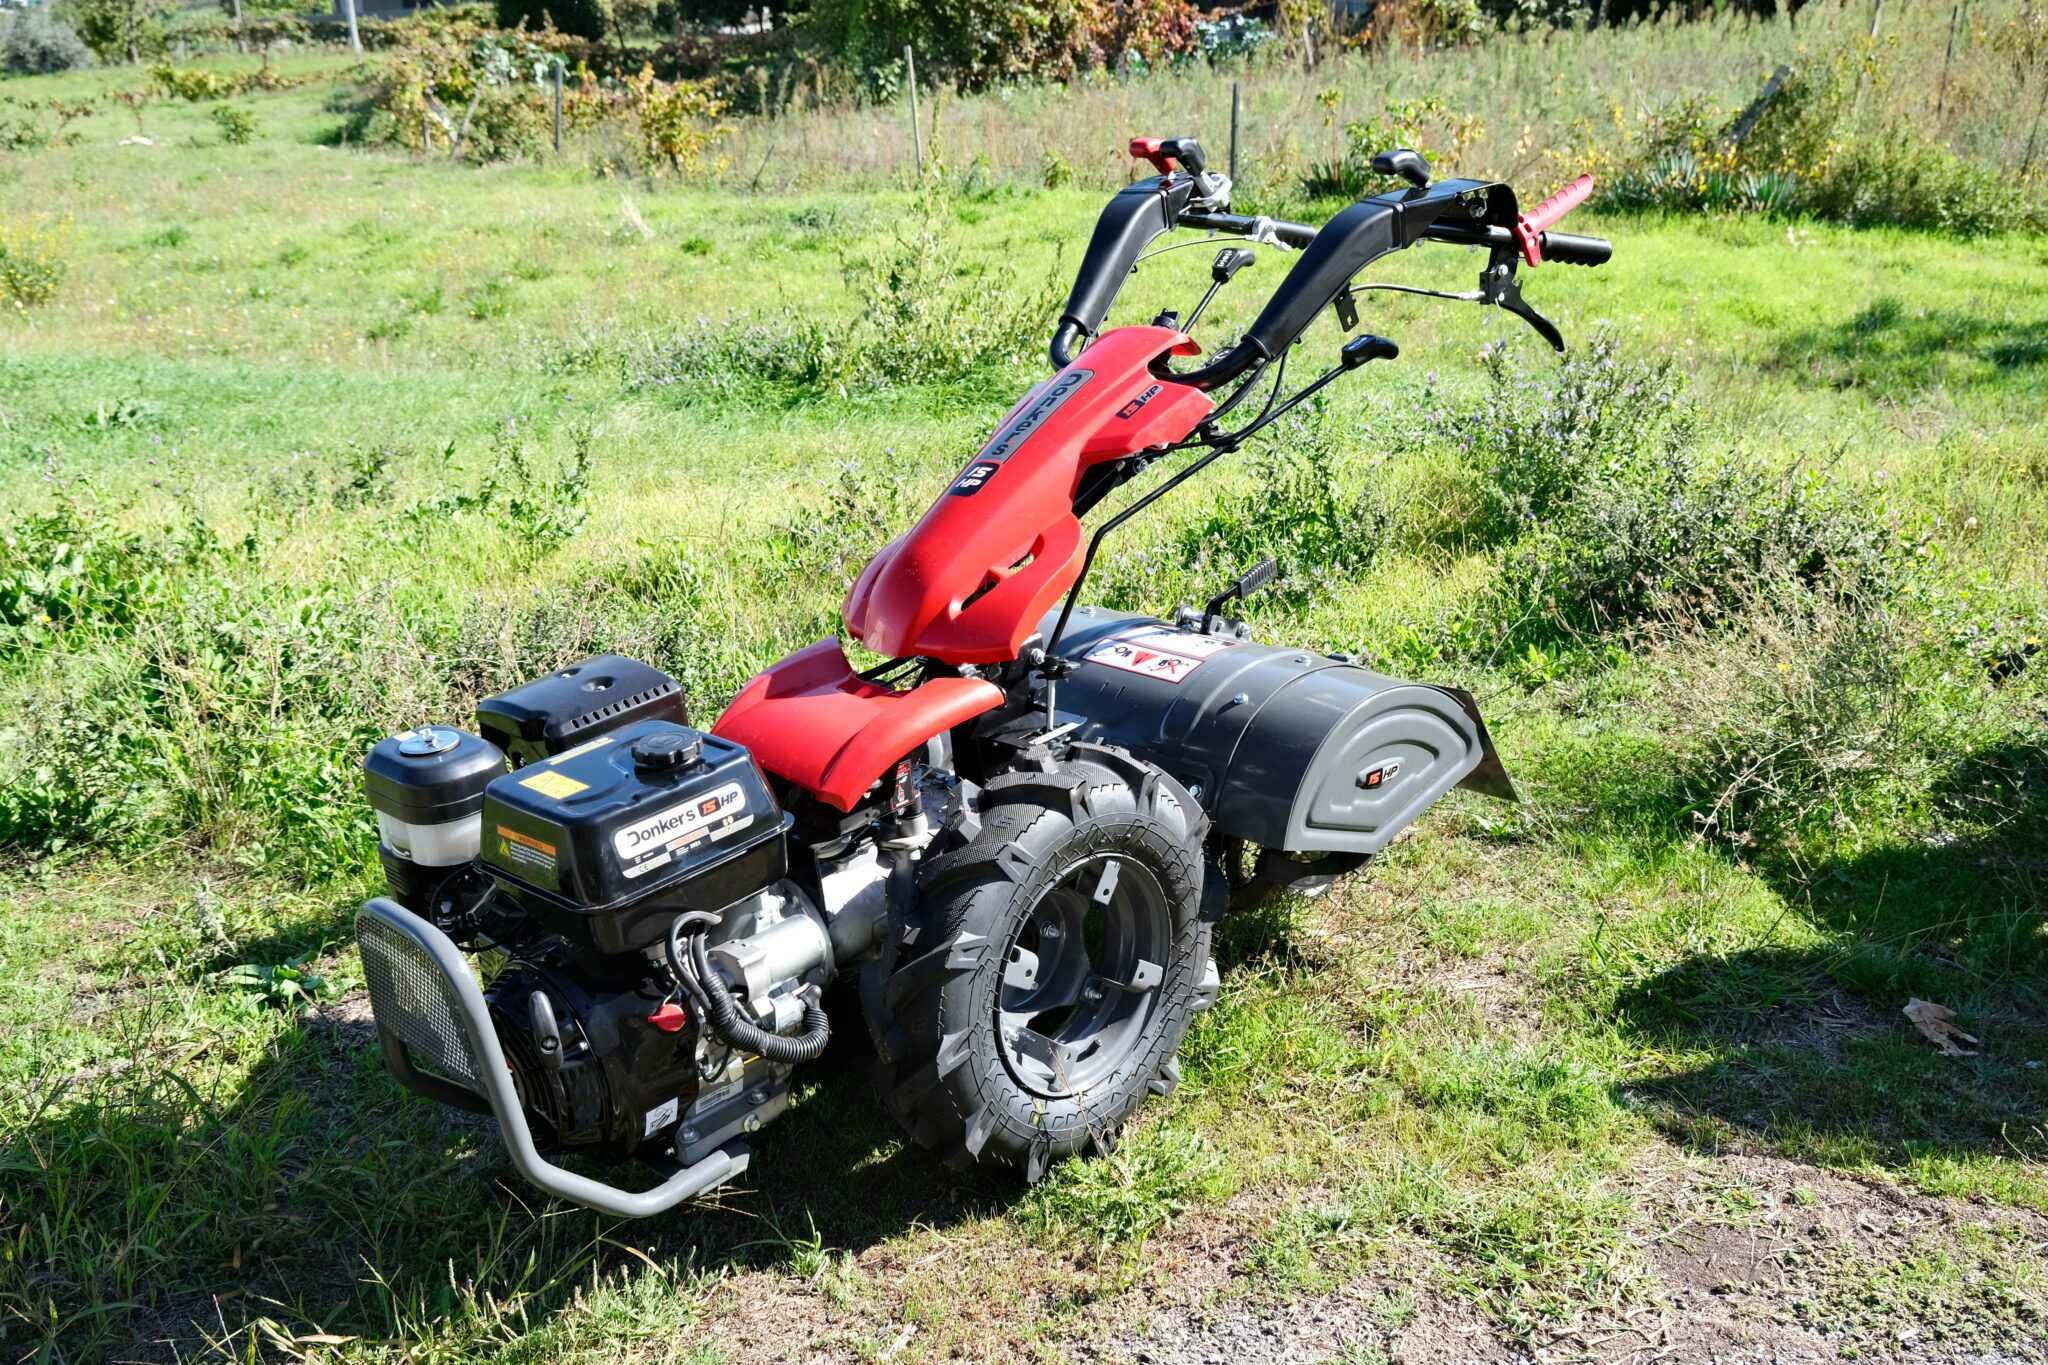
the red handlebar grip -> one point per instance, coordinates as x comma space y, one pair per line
1529, 227
1148, 148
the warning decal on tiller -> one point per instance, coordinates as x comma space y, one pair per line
1168, 655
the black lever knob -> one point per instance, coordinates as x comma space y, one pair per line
1187, 151
1360, 349
1405, 162
1229, 261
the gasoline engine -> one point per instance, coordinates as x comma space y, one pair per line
654, 971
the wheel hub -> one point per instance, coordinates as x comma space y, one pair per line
1081, 975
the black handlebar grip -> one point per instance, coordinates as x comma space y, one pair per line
1570, 249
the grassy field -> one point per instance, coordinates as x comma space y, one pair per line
313, 443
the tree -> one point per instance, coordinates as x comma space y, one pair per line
118, 30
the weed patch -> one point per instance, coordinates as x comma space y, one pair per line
32, 263
1116, 1203
923, 315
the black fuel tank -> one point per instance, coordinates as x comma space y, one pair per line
1286, 748
609, 841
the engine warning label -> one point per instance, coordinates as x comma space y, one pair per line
658, 839
553, 784
532, 858
1168, 655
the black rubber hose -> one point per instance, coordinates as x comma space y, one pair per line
679, 964
723, 1018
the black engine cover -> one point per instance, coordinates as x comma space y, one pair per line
553, 714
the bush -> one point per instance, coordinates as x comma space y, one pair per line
1294, 508
1900, 179
1424, 124
924, 316
979, 43
117, 30
465, 90
1610, 519
166, 688
1539, 441
1810, 152
35, 42
196, 85
237, 126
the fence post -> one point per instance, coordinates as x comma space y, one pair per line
916, 133
556, 79
1234, 91
1955, 17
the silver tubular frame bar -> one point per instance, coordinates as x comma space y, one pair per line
495, 1094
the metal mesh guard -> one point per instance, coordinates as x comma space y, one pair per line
414, 999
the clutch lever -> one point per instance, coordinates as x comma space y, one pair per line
1499, 287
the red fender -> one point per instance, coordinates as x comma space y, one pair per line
971, 581
813, 721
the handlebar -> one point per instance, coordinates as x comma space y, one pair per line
1464, 212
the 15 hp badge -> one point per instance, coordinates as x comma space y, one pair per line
650, 843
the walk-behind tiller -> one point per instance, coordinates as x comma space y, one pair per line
1013, 838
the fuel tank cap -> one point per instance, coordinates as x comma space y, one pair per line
428, 739
668, 751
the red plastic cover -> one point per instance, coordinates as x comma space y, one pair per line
970, 582
813, 721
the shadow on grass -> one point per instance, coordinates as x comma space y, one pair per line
1888, 344
1807, 1047
151, 1212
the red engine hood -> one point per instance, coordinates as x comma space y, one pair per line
970, 582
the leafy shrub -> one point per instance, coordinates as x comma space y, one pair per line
1538, 441
32, 263
43, 123
1809, 151
117, 30
1425, 124
1235, 35
237, 126
69, 570
539, 513
979, 43
481, 95
924, 315
676, 121
195, 85
35, 42
1623, 522
1903, 180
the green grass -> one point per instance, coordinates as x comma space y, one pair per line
1478, 1080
